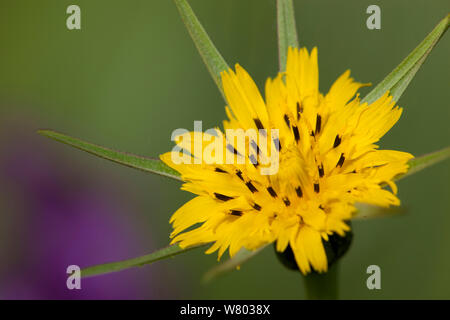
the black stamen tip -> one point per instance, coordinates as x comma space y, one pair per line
316, 188
256, 207
341, 161
321, 172
296, 133
253, 160
286, 119
286, 202
222, 197
318, 123
233, 150
272, 192
258, 124
236, 213
337, 141
277, 143
251, 187
255, 146
299, 110
299, 192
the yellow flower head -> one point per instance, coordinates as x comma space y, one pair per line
327, 161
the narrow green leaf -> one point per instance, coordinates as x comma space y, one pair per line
231, 264
161, 254
130, 160
422, 162
398, 80
287, 32
209, 53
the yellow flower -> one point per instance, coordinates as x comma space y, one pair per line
328, 161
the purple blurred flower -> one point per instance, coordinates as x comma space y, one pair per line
60, 219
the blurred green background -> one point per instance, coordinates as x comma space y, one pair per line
132, 75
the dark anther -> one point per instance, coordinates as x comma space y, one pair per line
255, 147
220, 170
253, 160
272, 192
296, 133
286, 202
232, 149
286, 119
256, 207
316, 188
341, 161
222, 197
258, 124
299, 110
239, 174
337, 141
299, 192
318, 123
251, 187
321, 173
277, 143
236, 213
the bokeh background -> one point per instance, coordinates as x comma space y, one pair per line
130, 77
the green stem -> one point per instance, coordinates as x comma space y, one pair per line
323, 286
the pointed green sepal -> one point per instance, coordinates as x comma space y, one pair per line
419, 163
287, 32
150, 165
209, 53
161, 254
398, 80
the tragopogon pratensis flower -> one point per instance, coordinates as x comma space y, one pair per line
328, 161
